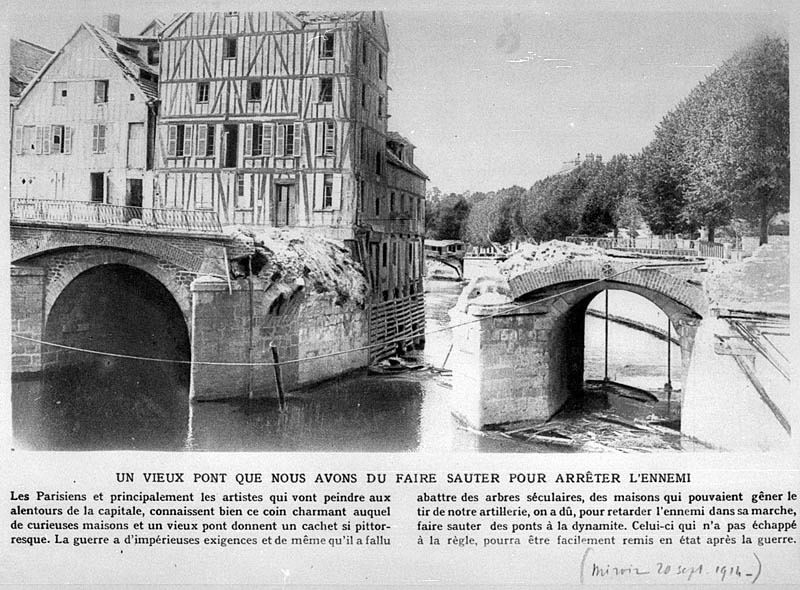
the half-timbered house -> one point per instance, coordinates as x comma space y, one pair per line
84, 128
277, 119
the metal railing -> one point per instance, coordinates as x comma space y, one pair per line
101, 214
657, 246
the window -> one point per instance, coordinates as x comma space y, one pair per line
202, 92
290, 139
60, 93
364, 52
326, 45
229, 47
326, 90
363, 145
57, 139
98, 139
209, 151
378, 164
384, 254
381, 66
205, 140
377, 206
254, 139
254, 90
391, 202
363, 95
380, 106
329, 140
327, 191
100, 91
288, 145
179, 140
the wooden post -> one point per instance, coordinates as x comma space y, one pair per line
278, 378
605, 378
668, 384
449, 350
250, 393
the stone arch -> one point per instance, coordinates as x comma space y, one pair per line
662, 288
65, 265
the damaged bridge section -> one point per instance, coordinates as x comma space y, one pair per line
305, 296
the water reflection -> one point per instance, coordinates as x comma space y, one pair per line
127, 405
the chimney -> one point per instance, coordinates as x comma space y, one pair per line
111, 23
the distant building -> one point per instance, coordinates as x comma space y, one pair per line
25, 61
571, 165
84, 126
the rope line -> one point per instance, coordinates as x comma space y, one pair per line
330, 354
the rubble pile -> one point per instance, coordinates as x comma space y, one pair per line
293, 257
530, 256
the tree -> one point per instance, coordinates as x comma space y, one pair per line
449, 218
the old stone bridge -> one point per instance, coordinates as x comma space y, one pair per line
61, 272
526, 356
157, 284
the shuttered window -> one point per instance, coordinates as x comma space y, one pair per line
47, 132
99, 139
297, 148
18, 140
280, 143
248, 139
187, 140
202, 139
267, 139
172, 139
329, 144
38, 140
67, 140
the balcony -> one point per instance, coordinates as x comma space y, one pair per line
89, 214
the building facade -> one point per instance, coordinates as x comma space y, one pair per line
83, 129
275, 119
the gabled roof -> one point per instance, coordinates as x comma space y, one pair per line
131, 65
153, 29
112, 45
396, 137
392, 159
25, 61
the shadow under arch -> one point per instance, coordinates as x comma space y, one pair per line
96, 401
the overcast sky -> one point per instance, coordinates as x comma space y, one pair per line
499, 97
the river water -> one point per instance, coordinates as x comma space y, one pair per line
134, 405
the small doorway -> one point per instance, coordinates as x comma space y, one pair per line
133, 199
283, 204
98, 181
